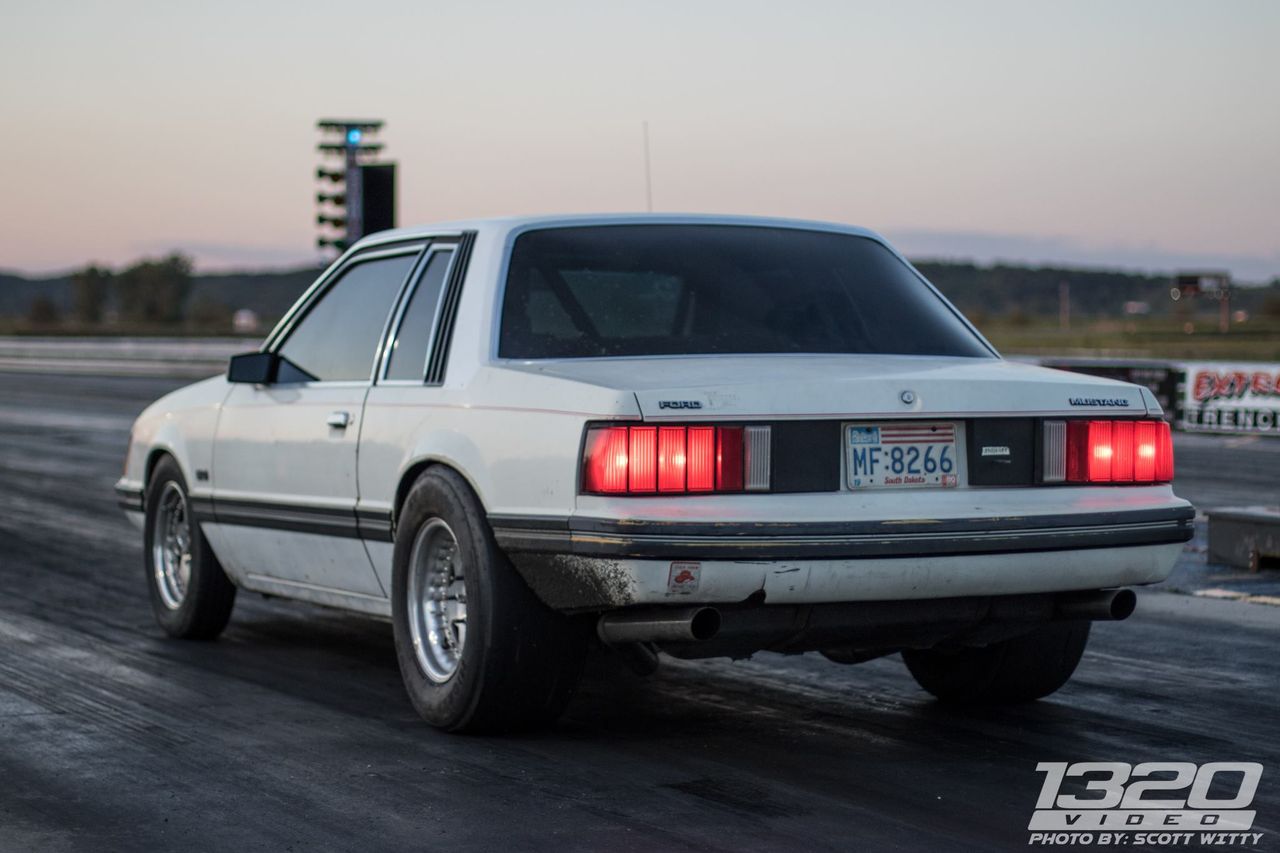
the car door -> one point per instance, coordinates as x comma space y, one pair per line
403, 403
284, 463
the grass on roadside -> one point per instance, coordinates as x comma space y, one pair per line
1143, 337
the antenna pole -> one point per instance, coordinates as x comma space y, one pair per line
648, 174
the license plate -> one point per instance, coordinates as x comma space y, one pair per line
902, 456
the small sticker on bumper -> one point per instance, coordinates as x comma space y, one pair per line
683, 578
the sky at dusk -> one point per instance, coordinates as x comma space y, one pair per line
1136, 134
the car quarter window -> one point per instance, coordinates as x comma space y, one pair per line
336, 340
407, 359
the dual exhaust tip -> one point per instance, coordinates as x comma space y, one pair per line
700, 623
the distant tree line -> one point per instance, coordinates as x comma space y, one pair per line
1022, 292
161, 294
164, 294
151, 292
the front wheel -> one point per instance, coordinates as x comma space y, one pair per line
190, 594
1020, 669
477, 650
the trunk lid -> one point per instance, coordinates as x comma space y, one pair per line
846, 386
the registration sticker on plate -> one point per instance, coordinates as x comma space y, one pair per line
902, 455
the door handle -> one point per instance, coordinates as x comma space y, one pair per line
338, 420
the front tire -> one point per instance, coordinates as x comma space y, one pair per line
477, 650
191, 596
1020, 669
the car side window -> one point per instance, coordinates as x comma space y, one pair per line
336, 340
408, 354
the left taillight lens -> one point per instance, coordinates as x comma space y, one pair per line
1110, 451
607, 460
669, 459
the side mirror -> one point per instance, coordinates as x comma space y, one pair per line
254, 368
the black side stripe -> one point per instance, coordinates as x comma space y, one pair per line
201, 507
129, 499
449, 309
374, 525
297, 519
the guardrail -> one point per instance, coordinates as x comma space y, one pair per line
178, 357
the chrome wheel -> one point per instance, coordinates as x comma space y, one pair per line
437, 600
171, 546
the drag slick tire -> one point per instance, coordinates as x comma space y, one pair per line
478, 651
191, 596
1020, 669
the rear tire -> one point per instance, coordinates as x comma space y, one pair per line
191, 596
1020, 669
503, 660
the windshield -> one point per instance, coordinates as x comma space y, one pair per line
636, 290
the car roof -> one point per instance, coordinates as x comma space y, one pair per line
505, 225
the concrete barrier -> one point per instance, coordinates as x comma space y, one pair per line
1245, 537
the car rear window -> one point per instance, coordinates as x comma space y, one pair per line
635, 290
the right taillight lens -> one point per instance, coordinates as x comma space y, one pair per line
647, 460
1112, 451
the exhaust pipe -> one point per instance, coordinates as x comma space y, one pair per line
1105, 605
658, 625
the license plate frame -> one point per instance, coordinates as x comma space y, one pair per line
900, 455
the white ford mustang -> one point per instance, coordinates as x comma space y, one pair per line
706, 436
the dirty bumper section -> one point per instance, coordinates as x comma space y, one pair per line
596, 564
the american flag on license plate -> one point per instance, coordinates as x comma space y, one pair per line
918, 434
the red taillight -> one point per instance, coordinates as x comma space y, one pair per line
1122, 452
641, 460
700, 459
606, 468
1144, 451
671, 462
1113, 452
729, 459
